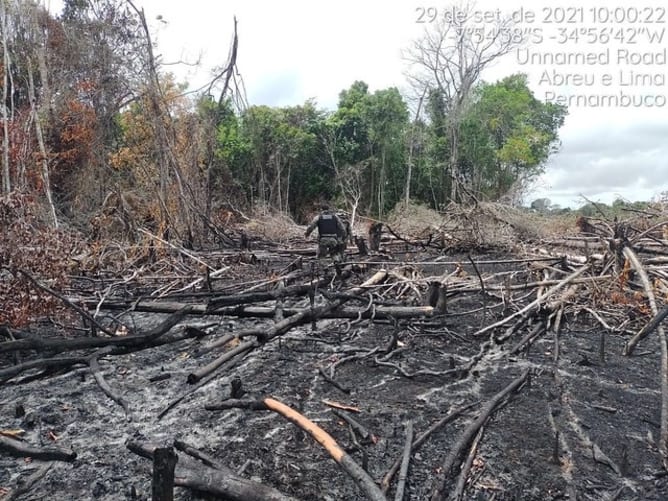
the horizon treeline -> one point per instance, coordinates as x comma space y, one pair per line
93, 124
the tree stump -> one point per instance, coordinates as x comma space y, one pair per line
164, 462
375, 231
361, 246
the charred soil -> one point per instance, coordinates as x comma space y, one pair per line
542, 406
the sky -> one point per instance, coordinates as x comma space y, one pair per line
603, 58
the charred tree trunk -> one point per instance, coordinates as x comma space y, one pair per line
375, 231
164, 463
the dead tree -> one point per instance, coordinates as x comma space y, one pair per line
448, 60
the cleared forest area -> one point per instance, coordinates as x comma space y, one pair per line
167, 330
474, 355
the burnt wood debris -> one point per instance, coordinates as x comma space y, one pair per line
428, 364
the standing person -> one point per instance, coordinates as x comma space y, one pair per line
332, 234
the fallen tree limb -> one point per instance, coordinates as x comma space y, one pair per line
357, 427
207, 278
451, 416
20, 450
178, 249
67, 302
201, 456
257, 297
536, 332
663, 342
439, 493
405, 461
67, 362
645, 331
27, 484
36, 343
223, 483
529, 285
216, 344
94, 365
361, 478
535, 302
202, 372
41, 363
269, 312
464, 473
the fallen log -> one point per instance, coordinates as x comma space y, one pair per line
361, 478
40, 344
42, 363
67, 362
19, 449
202, 372
270, 312
260, 296
645, 331
223, 483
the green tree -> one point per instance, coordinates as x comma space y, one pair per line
436, 184
448, 60
509, 136
387, 116
365, 139
276, 155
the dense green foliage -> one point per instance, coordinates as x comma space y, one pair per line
294, 157
86, 97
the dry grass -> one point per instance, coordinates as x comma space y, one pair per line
484, 225
414, 219
272, 225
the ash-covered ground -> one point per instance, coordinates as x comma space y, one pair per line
584, 425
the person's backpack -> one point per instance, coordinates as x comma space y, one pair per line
327, 225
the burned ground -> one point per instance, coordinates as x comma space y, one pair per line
583, 422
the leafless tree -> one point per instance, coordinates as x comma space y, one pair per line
348, 177
350, 181
411, 145
450, 57
6, 180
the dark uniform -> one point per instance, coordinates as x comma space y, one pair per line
332, 235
